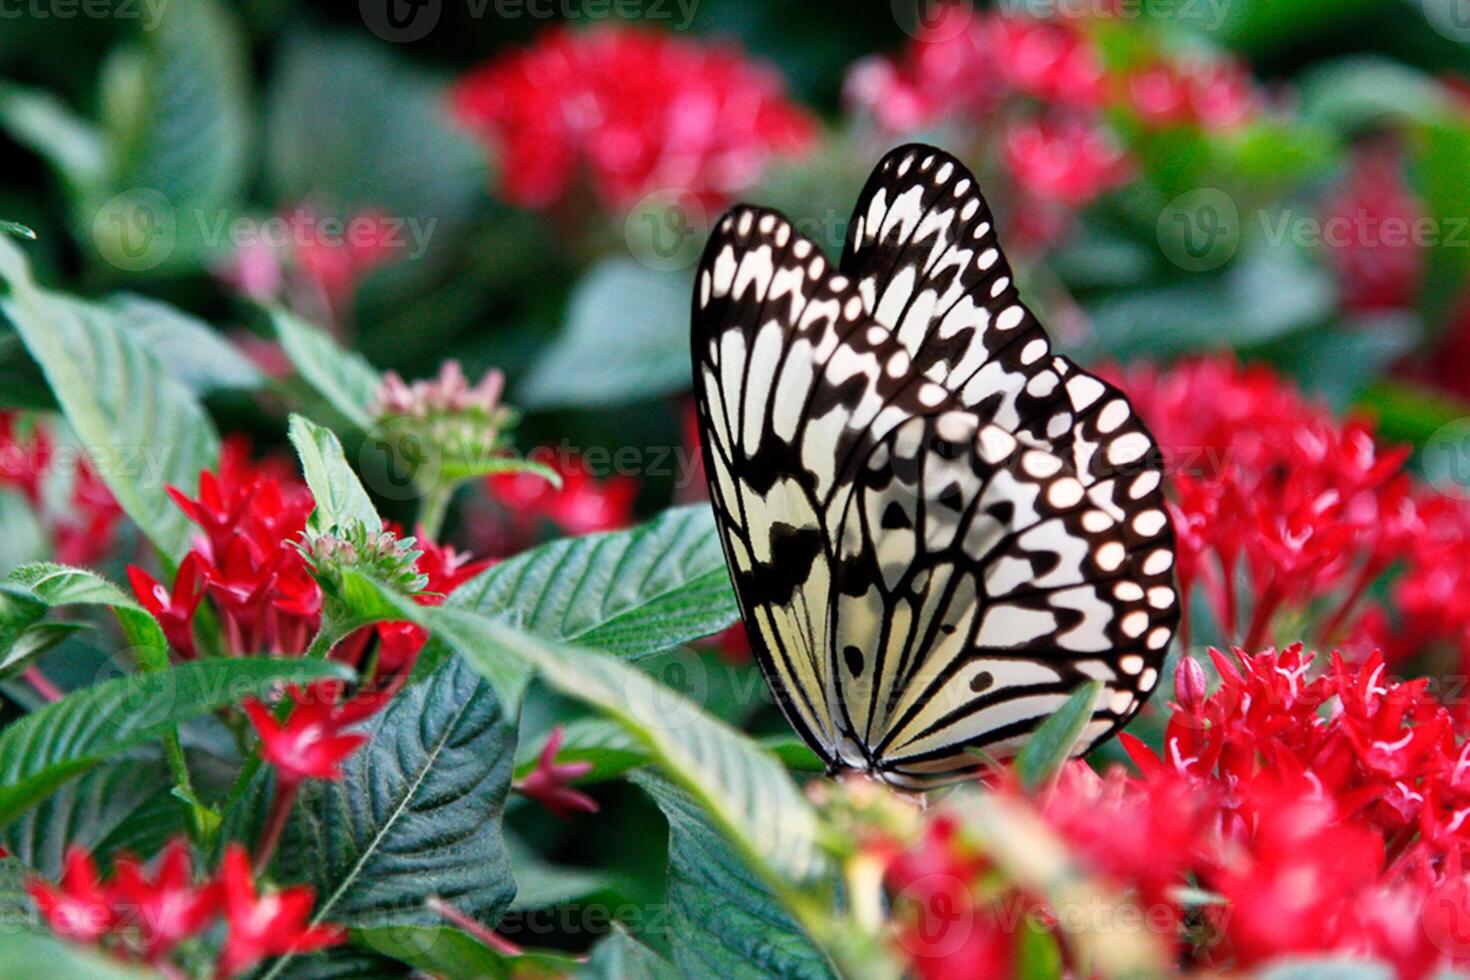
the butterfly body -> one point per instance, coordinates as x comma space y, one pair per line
937, 527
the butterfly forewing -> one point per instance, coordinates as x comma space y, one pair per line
937, 528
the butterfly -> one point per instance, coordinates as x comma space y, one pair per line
937, 528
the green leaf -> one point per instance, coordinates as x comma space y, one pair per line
121, 805
724, 921
449, 952
1349, 94
631, 593
22, 538
1340, 361
541, 884
32, 956
46, 748
1267, 294
746, 792
176, 108
341, 501
349, 121
343, 378
72, 145
626, 339
192, 351
17, 229
417, 815
141, 426
1054, 739
59, 586
620, 955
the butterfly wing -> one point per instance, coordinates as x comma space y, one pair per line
792, 380
936, 527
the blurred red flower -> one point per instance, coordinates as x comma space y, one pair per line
1370, 228
639, 110
263, 925
582, 505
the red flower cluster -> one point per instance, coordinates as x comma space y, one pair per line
326, 254
83, 527
1322, 812
143, 917
641, 111
1370, 227
1337, 802
1210, 95
583, 504
1044, 83
1267, 480
247, 561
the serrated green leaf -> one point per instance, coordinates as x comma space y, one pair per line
142, 427
1055, 739
119, 805
48, 747
723, 920
417, 814
626, 339
59, 586
341, 501
631, 593
748, 795
343, 378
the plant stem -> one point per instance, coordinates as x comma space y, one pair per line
43, 684
274, 825
434, 507
480, 931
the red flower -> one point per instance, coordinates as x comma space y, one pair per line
1064, 159
264, 925
550, 782
168, 908
173, 610
313, 742
78, 907
947, 70
1049, 59
1216, 96
583, 504
1369, 230
641, 111
1316, 505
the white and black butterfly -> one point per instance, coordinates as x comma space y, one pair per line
937, 528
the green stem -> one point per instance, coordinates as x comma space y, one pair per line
434, 507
